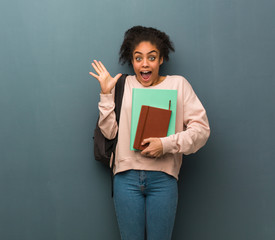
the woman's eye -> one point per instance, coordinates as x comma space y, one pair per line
152, 58
138, 59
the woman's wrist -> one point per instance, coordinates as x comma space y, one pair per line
105, 92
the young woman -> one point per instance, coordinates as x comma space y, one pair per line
145, 183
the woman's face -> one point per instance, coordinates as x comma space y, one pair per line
146, 61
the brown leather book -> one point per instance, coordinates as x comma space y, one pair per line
153, 122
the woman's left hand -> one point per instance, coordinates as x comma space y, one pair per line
154, 149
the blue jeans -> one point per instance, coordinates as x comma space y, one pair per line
145, 199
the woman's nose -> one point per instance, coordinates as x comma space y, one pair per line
145, 62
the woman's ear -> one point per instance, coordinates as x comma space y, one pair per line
161, 61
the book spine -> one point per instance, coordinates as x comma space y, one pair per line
140, 128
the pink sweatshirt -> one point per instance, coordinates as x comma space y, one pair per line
192, 128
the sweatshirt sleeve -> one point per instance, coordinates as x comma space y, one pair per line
195, 124
107, 117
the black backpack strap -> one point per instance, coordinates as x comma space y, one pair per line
119, 91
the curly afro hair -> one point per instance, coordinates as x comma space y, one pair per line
138, 34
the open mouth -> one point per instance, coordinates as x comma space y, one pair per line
146, 75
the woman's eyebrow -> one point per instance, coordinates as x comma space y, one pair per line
153, 51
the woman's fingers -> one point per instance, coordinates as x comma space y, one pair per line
155, 148
95, 66
94, 75
117, 76
102, 67
99, 65
106, 81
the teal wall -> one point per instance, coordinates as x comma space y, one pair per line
50, 186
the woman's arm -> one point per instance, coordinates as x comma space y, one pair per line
192, 138
107, 118
196, 126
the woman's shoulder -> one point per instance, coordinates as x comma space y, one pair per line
177, 79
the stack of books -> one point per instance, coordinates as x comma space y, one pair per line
153, 122
153, 115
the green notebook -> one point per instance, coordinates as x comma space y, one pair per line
155, 98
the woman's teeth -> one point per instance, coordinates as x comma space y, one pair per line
146, 74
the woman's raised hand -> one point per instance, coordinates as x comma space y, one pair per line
106, 82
